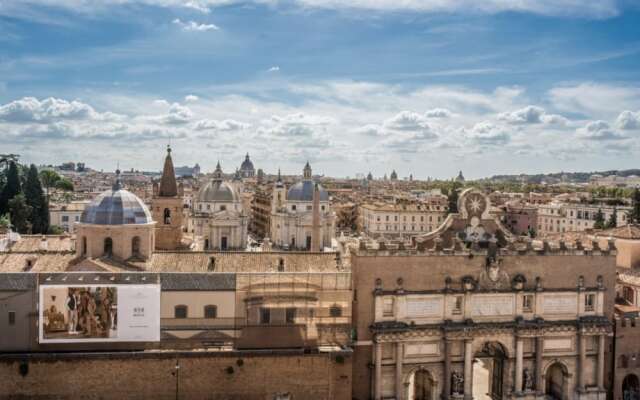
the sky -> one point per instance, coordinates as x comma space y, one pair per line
425, 87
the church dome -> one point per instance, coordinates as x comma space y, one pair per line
217, 190
247, 165
116, 207
303, 191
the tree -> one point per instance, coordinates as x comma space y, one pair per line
19, 211
49, 178
64, 184
453, 201
634, 215
55, 230
599, 221
35, 199
5, 223
11, 187
613, 220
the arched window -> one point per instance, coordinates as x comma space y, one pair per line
108, 247
180, 311
167, 216
135, 246
211, 311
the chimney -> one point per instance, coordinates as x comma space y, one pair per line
315, 230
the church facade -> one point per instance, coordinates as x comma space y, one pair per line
301, 217
219, 217
470, 312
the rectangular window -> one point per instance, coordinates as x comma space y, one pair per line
457, 306
590, 302
291, 315
527, 303
12, 317
387, 307
265, 316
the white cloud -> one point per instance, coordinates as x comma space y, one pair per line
598, 131
407, 121
487, 133
572, 8
30, 109
194, 26
191, 98
438, 113
595, 99
532, 115
275, 68
628, 120
176, 115
224, 125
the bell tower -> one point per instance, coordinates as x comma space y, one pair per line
166, 207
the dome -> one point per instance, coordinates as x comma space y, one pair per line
217, 190
303, 191
247, 165
116, 207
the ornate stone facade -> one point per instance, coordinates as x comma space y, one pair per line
469, 313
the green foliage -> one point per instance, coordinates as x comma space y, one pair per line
532, 233
634, 215
599, 220
64, 184
5, 222
11, 187
20, 211
49, 178
55, 230
613, 220
35, 199
453, 201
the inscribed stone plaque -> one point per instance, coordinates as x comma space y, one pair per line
420, 349
424, 307
557, 344
492, 305
560, 304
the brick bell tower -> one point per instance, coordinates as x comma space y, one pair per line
167, 207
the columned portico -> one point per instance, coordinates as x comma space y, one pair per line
446, 383
468, 369
519, 357
399, 361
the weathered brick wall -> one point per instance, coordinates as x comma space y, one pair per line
201, 376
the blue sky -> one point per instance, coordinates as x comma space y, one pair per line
425, 87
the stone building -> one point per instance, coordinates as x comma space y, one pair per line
116, 224
400, 219
167, 207
470, 312
219, 217
301, 215
575, 217
65, 215
261, 211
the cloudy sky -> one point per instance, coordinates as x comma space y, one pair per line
427, 87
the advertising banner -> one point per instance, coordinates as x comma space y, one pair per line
99, 313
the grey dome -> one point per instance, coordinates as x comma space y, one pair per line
303, 191
217, 190
247, 165
116, 207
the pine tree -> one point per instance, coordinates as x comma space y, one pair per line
613, 220
36, 200
453, 201
11, 187
19, 211
599, 221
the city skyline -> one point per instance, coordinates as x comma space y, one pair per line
425, 88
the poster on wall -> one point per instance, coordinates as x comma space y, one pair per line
99, 313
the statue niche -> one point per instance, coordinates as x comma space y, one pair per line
493, 277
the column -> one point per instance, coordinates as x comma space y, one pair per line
378, 372
468, 369
539, 377
399, 361
446, 383
519, 354
601, 344
582, 353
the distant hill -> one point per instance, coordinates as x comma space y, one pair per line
575, 177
